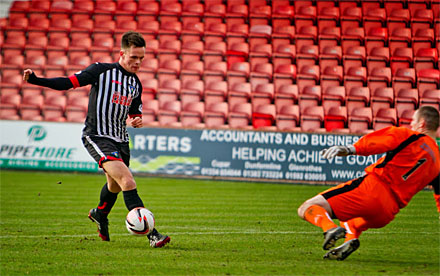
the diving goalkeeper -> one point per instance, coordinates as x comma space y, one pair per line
411, 163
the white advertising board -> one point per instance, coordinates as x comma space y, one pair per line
43, 146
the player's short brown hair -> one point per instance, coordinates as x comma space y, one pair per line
431, 116
132, 38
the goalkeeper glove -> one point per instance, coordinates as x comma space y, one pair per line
338, 151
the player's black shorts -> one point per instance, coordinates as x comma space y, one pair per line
105, 149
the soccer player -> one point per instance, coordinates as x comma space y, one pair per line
412, 162
115, 95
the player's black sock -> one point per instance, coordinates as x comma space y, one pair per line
106, 200
132, 199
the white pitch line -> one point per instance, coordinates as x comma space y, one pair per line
196, 233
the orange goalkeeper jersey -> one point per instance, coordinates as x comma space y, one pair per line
412, 161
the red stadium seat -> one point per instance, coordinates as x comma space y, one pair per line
214, 12
404, 78
328, 17
359, 120
357, 97
192, 31
260, 15
306, 36
30, 107
263, 117
355, 77
397, 18
329, 36
147, 10
282, 15
379, 77
405, 118
261, 53
378, 57
374, 18
192, 12
385, 117
216, 115
312, 118
237, 52
422, 38
335, 118
192, 91
283, 34
309, 75
422, 19
307, 55
239, 93
310, 96
169, 31
263, 93
431, 97
239, 116
406, 99
286, 94
214, 52
236, 14
332, 76
428, 79
305, 16
287, 118
215, 92
354, 56
399, 38
376, 37
259, 34
238, 72
401, 58
215, 71
215, 32
351, 17
169, 90
192, 114
382, 97
333, 96
284, 54
169, 113
426, 58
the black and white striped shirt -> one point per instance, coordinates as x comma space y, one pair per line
115, 94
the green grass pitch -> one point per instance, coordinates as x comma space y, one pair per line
216, 228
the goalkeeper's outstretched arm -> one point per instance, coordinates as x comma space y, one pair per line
338, 151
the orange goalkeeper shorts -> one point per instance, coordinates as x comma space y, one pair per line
366, 197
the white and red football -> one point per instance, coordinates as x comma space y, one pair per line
140, 221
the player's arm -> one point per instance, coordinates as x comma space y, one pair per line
377, 142
82, 78
135, 111
61, 83
436, 186
381, 141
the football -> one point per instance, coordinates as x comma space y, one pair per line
140, 221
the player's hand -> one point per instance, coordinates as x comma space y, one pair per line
136, 122
337, 151
26, 74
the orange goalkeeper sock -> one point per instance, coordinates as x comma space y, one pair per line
318, 216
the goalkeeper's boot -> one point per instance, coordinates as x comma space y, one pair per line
342, 252
102, 222
332, 235
157, 239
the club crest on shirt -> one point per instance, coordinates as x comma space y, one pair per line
133, 91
